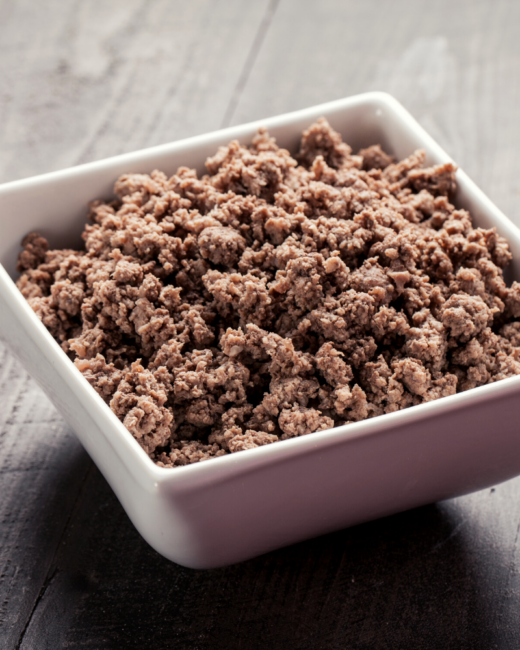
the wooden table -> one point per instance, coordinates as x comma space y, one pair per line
87, 79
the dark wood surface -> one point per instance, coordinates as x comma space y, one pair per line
91, 78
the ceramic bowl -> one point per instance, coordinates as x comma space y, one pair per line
241, 505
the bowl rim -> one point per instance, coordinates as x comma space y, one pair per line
152, 476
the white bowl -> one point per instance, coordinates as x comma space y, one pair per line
238, 506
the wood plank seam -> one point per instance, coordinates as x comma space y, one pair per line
250, 62
53, 566
46, 584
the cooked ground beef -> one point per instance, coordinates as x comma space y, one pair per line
273, 298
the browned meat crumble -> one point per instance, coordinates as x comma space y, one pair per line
275, 296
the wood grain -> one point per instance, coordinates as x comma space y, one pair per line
88, 79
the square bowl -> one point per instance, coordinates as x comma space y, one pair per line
237, 506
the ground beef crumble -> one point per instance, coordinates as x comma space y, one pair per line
277, 296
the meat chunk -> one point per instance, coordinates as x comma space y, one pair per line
221, 245
299, 421
321, 140
466, 316
375, 158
